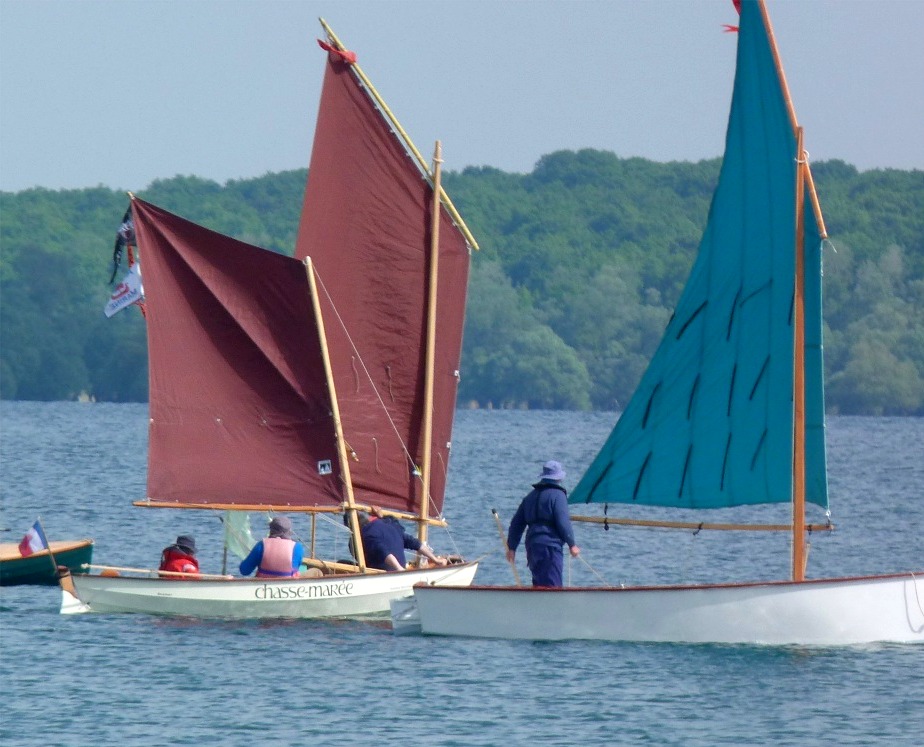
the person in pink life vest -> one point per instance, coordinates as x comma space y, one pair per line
180, 557
277, 556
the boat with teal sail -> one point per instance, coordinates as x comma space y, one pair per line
729, 413
317, 385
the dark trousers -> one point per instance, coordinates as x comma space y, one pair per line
545, 563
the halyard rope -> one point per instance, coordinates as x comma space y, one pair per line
365, 369
414, 470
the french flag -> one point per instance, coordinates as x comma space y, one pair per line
34, 541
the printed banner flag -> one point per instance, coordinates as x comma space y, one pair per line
125, 237
34, 541
127, 292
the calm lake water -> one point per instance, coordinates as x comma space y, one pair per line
138, 681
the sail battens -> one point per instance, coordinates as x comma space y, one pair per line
731, 314
731, 389
692, 399
596, 484
728, 444
686, 466
760, 377
651, 399
689, 321
724, 364
641, 474
758, 449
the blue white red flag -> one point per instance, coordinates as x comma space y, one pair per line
34, 541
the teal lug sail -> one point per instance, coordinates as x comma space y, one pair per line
711, 422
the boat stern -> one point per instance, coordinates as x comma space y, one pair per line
70, 602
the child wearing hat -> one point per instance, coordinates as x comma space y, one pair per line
180, 557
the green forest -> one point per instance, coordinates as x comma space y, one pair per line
581, 263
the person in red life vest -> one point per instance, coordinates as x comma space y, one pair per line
276, 556
384, 543
180, 557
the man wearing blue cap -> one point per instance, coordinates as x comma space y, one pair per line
544, 515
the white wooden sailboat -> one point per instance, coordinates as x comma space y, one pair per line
730, 412
323, 383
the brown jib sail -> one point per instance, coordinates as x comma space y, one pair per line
239, 407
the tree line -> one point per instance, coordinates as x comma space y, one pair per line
581, 264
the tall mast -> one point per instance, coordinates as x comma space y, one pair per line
803, 179
427, 461
798, 383
807, 171
338, 425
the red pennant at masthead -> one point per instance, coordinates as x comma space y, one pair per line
345, 54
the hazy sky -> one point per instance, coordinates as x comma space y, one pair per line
122, 92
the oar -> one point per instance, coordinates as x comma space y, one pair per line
500, 530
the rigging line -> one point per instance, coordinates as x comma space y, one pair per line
452, 539
439, 514
914, 584
594, 571
365, 369
335, 524
338, 525
414, 471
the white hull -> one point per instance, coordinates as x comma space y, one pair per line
340, 596
827, 612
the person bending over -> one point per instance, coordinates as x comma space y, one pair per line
384, 543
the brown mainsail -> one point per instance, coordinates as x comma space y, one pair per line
366, 224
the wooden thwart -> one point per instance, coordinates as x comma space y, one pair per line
334, 567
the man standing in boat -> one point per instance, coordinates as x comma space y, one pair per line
544, 515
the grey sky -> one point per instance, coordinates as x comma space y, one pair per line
122, 92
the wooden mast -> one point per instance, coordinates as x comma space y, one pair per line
803, 180
383, 107
338, 425
427, 461
807, 171
798, 383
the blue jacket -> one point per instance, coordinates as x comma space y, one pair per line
545, 512
384, 537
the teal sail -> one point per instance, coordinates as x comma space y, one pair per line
711, 422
